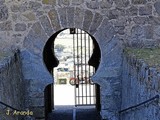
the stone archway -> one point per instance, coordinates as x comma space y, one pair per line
108, 73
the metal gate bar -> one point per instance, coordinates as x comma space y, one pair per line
84, 88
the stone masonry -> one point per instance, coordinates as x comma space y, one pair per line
12, 91
140, 83
115, 24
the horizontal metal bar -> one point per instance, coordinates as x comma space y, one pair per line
135, 106
9, 106
85, 96
84, 105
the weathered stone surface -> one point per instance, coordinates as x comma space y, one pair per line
154, 20
28, 16
35, 40
1, 2
34, 5
106, 30
148, 32
12, 87
79, 15
137, 35
106, 4
20, 27
115, 13
54, 19
156, 31
63, 16
77, 2
46, 25
92, 4
146, 10
49, 2
140, 20
97, 19
122, 3
6, 26
138, 90
157, 7
132, 11
64, 2
70, 17
87, 20
19, 7
139, 1
3, 13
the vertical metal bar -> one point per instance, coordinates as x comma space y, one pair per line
89, 52
82, 66
78, 65
74, 67
85, 63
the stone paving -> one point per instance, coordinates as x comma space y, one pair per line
74, 113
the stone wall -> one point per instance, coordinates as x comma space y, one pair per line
11, 84
136, 22
28, 24
140, 83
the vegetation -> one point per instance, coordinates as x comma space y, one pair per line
4, 54
59, 47
150, 55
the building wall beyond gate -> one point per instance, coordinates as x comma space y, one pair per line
114, 24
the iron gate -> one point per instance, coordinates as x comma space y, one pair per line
84, 87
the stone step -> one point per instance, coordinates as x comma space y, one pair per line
74, 113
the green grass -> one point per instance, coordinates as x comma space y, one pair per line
150, 55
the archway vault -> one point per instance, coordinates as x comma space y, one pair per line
97, 26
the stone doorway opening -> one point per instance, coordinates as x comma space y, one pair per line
54, 58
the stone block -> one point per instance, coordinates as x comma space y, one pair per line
28, 16
106, 4
154, 20
156, 31
139, 1
46, 25
3, 13
64, 2
49, 2
97, 19
133, 11
20, 27
113, 14
34, 5
106, 30
92, 4
79, 15
6, 26
70, 17
54, 19
15, 8
87, 20
140, 20
157, 7
2, 1
63, 16
145, 10
77, 2
148, 31
122, 3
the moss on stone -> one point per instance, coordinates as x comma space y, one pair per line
150, 55
5, 54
